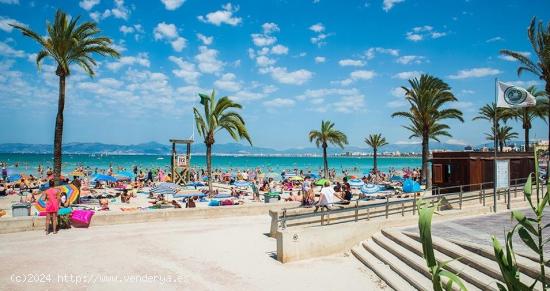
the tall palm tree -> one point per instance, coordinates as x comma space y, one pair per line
427, 97
487, 112
68, 43
504, 134
527, 114
375, 141
539, 37
218, 115
327, 134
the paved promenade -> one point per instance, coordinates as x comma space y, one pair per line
214, 254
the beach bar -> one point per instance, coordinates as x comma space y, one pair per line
452, 169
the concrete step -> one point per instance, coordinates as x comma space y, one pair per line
472, 278
415, 261
527, 263
411, 275
480, 263
382, 270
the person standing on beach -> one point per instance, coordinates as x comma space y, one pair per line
4, 173
52, 197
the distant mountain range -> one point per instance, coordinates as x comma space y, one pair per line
154, 148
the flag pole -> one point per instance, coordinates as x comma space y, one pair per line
495, 134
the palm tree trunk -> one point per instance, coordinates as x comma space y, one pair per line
209, 168
501, 145
526, 142
58, 135
325, 161
375, 155
425, 156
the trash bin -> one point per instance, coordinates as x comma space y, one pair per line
21, 209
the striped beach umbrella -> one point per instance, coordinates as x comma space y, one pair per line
356, 183
70, 189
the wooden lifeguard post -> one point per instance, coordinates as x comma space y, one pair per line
181, 163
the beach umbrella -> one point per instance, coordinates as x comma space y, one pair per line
241, 183
102, 177
163, 191
370, 188
313, 176
296, 178
14, 177
70, 189
356, 183
321, 182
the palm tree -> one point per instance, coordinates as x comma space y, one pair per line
327, 134
539, 37
427, 97
375, 141
487, 112
217, 115
527, 114
504, 134
68, 43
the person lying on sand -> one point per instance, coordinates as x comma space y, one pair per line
103, 204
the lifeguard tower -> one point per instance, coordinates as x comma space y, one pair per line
181, 163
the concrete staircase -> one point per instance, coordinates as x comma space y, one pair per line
396, 257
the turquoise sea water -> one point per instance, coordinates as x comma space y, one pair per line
28, 163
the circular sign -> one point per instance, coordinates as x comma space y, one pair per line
514, 96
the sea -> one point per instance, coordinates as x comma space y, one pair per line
28, 163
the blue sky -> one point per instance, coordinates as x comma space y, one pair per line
290, 63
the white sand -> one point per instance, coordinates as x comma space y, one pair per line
215, 254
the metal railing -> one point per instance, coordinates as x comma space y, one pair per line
358, 212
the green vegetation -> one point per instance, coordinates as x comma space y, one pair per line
217, 115
68, 43
504, 134
375, 141
327, 134
427, 96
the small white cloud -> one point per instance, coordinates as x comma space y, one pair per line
141, 59
282, 75
475, 73
387, 5
421, 32
320, 37
262, 39
455, 141
398, 92
270, 27
371, 52
169, 33
319, 60
206, 40
466, 91
88, 4
224, 16
407, 75
8, 51
279, 102
172, 4
362, 75
351, 63
318, 27
228, 82
118, 11
5, 23
264, 61
410, 59
208, 60
512, 59
279, 50
494, 39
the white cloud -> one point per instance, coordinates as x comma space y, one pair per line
222, 16
318, 27
279, 50
455, 141
371, 52
351, 63
475, 73
466, 91
264, 61
270, 27
407, 75
408, 142
279, 102
5, 23
208, 60
141, 59
319, 60
187, 71
397, 92
411, 59
8, 51
421, 32
169, 32
494, 39
337, 99
119, 11
512, 59
387, 5
206, 40
88, 4
172, 4
263, 40
282, 75
362, 75
228, 82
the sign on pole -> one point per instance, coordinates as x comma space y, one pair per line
181, 160
503, 174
